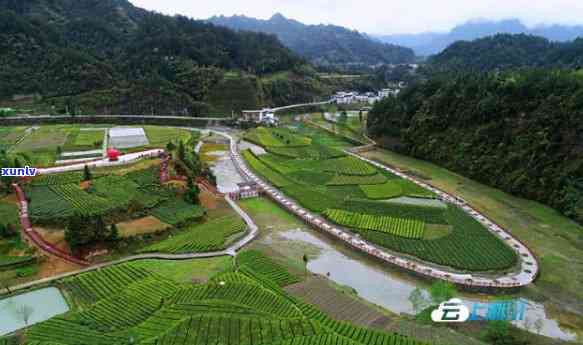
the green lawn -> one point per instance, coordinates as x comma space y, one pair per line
555, 239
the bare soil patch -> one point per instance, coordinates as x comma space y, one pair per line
338, 304
141, 226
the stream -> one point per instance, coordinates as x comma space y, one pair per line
390, 289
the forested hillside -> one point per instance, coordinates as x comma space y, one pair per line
505, 51
518, 131
429, 43
108, 56
326, 45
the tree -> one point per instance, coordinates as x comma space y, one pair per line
498, 333
305, 259
59, 150
87, 174
82, 230
192, 195
113, 233
181, 151
538, 325
442, 291
170, 146
418, 300
24, 312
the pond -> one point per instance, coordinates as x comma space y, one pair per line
390, 289
35, 306
226, 173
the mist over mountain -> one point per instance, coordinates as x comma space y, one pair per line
322, 44
430, 43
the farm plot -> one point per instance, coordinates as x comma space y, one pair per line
314, 199
347, 166
341, 180
44, 139
427, 214
8, 214
468, 247
82, 202
386, 209
10, 136
263, 170
160, 136
9, 262
275, 137
78, 140
390, 189
276, 163
89, 288
46, 206
403, 227
177, 212
247, 307
266, 267
315, 151
206, 237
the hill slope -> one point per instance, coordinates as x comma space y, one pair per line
504, 51
322, 44
429, 43
518, 131
109, 56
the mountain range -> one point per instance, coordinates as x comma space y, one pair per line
322, 44
108, 56
430, 43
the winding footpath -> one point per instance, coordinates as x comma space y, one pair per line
47, 248
521, 277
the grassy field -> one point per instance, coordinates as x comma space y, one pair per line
556, 240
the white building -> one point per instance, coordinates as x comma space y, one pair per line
127, 137
391, 92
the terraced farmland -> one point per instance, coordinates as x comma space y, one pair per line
206, 237
358, 196
403, 227
126, 305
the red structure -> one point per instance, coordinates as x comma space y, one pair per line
113, 154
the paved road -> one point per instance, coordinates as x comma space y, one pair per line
528, 267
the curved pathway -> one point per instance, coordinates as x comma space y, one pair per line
252, 233
46, 247
528, 263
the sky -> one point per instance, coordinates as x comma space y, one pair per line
382, 16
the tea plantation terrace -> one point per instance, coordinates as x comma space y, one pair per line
528, 265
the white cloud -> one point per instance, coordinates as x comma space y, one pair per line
382, 16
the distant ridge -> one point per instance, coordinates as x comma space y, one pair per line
430, 43
322, 44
